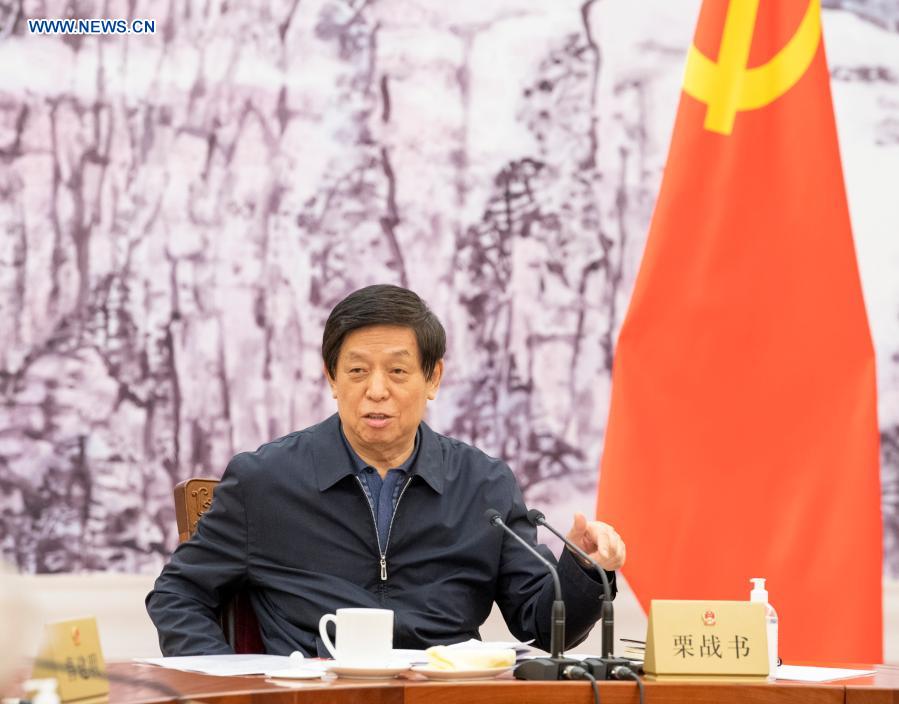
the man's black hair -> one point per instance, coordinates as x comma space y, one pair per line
384, 304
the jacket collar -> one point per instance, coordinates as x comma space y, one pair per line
332, 462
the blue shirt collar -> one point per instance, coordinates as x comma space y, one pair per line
361, 465
329, 456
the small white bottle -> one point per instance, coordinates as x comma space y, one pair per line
760, 594
44, 691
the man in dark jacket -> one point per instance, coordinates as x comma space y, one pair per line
372, 508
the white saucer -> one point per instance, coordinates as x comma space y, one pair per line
432, 673
356, 672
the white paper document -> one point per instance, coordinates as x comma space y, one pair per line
269, 665
226, 665
797, 673
474, 644
413, 657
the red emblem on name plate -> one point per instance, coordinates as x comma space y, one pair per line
709, 618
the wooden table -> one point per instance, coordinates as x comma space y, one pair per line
881, 688
132, 683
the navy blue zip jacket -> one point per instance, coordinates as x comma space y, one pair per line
291, 523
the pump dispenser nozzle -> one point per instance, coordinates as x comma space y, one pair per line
758, 593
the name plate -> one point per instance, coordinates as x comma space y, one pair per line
706, 640
71, 655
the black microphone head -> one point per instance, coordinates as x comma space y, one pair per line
493, 516
535, 518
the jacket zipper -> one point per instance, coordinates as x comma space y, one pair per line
390, 530
383, 553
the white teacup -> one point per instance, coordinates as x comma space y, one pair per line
364, 636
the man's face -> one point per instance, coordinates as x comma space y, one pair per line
381, 390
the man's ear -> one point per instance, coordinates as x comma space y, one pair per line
434, 381
330, 380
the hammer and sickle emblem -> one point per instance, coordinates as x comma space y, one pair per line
728, 86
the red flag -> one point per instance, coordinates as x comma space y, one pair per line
742, 439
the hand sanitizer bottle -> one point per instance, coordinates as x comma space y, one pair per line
760, 594
44, 691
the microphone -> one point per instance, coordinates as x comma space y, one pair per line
536, 518
541, 668
607, 666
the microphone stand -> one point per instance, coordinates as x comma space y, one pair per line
556, 666
607, 667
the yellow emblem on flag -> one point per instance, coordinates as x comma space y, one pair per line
728, 86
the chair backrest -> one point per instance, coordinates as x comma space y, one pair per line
193, 497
